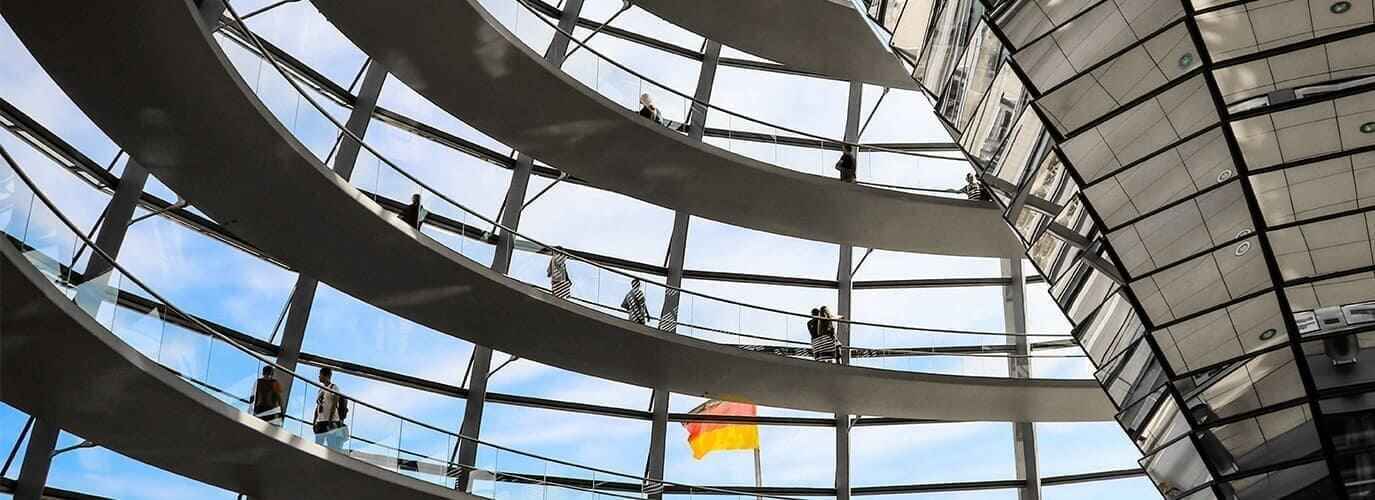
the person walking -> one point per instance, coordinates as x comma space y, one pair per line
266, 400
823, 344
634, 303
331, 408
559, 283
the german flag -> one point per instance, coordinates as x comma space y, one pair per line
706, 437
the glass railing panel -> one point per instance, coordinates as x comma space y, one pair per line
141, 330
49, 245
232, 371
601, 288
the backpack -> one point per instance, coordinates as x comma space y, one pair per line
343, 406
264, 397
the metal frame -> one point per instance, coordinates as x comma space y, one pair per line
840, 285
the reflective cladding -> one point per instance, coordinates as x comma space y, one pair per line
1196, 191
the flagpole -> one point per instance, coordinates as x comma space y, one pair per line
758, 473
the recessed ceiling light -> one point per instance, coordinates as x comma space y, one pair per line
1224, 175
1368, 128
1340, 7
1268, 334
1242, 248
1186, 60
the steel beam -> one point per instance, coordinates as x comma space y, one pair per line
845, 292
359, 118
293, 335
481, 362
658, 441
303, 293
118, 213
38, 457
1019, 366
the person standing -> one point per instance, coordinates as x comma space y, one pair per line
559, 283
648, 110
847, 165
823, 344
634, 303
415, 213
972, 189
331, 408
266, 401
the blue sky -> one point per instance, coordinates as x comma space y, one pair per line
242, 292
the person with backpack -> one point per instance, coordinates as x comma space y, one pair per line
331, 409
634, 303
266, 400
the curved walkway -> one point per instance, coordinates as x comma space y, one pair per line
458, 56
59, 364
158, 85
827, 37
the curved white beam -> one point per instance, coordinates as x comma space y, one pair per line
157, 84
457, 56
827, 37
57, 363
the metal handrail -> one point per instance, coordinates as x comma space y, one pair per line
551, 248
845, 145
130, 278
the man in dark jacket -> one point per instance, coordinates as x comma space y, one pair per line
847, 165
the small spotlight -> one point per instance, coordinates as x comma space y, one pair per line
1186, 60
1340, 7
1268, 334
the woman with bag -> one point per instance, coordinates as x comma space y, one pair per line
331, 408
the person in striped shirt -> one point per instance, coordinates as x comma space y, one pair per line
823, 336
634, 303
972, 189
559, 283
